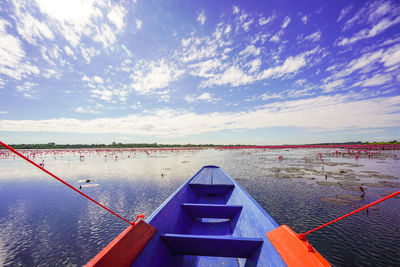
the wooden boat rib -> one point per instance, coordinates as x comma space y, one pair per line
209, 221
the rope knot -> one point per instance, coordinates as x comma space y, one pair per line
140, 216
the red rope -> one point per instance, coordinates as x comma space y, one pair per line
302, 236
70, 186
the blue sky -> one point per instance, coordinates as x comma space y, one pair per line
227, 72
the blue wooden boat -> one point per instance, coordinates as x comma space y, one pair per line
209, 221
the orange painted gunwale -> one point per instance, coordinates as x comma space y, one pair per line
294, 251
125, 248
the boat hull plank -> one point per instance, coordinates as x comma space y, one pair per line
210, 245
203, 177
220, 178
212, 210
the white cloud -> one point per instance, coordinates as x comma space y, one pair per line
138, 105
98, 79
300, 82
344, 12
149, 76
206, 68
377, 79
362, 62
276, 37
27, 90
254, 65
390, 58
369, 33
51, 73
68, 50
372, 12
291, 65
138, 24
304, 19
250, 50
207, 97
32, 29
76, 12
310, 114
246, 25
72, 17
233, 76
190, 98
228, 29
201, 18
88, 53
13, 62
10, 47
86, 110
116, 16
380, 9
122, 93
329, 87
3, 112
286, 22
267, 96
379, 15
102, 94
314, 37
105, 35
97, 83
262, 21
199, 48
235, 10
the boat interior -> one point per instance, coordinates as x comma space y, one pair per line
210, 221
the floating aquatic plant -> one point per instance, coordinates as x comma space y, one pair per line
390, 183
351, 188
346, 178
327, 183
350, 197
373, 185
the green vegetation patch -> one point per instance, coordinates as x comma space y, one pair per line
327, 183
373, 185
351, 188
390, 183
350, 197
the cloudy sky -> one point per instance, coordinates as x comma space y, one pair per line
226, 72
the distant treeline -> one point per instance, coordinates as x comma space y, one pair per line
155, 145
113, 145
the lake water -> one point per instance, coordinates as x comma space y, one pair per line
44, 223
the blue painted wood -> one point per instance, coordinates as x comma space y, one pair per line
207, 261
220, 178
211, 210
208, 245
218, 227
203, 177
212, 190
173, 218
